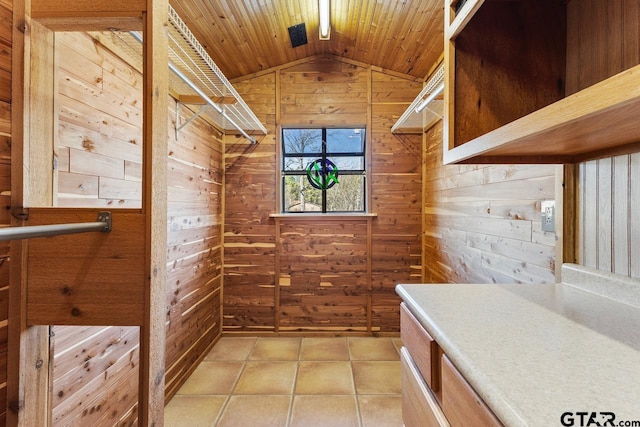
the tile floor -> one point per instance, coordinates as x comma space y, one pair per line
293, 382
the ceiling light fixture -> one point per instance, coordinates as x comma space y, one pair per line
433, 95
325, 26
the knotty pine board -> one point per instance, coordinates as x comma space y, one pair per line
482, 222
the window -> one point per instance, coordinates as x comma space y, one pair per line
323, 170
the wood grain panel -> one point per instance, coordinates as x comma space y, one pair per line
330, 105
75, 366
322, 286
532, 74
405, 37
249, 236
68, 283
421, 346
608, 196
602, 40
419, 405
327, 266
396, 196
460, 402
99, 123
194, 248
482, 222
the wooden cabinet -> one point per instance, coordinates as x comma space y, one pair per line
422, 347
460, 403
541, 81
419, 405
434, 392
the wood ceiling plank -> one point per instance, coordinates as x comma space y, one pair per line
246, 37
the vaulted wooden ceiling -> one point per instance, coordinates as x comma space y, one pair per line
247, 36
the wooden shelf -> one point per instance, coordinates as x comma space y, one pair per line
463, 16
540, 82
601, 120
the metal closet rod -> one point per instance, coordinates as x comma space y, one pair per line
202, 94
17, 233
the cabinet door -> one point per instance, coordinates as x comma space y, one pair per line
419, 405
460, 402
421, 346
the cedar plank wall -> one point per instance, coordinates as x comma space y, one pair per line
482, 223
249, 233
5, 187
314, 275
194, 240
608, 190
396, 176
96, 368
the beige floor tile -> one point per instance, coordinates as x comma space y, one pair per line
379, 377
231, 348
193, 411
212, 378
324, 378
267, 378
381, 411
398, 343
324, 411
276, 349
256, 411
324, 349
372, 349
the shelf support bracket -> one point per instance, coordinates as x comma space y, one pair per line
190, 119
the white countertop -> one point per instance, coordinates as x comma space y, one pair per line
534, 352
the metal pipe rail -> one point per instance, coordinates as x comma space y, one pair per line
103, 224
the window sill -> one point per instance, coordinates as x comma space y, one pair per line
323, 217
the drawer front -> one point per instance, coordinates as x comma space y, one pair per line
421, 346
460, 403
419, 406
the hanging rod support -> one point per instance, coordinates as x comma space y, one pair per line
201, 93
103, 224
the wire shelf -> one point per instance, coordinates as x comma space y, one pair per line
413, 122
188, 56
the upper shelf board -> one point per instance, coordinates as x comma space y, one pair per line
599, 121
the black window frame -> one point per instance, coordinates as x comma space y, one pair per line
324, 154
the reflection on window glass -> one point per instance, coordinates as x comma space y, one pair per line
323, 170
345, 140
300, 141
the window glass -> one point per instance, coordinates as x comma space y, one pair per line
299, 141
323, 170
345, 140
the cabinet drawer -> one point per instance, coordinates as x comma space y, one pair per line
460, 403
423, 348
419, 405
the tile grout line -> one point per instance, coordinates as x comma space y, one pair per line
293, 388
235, 383
355, 389
355, 355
